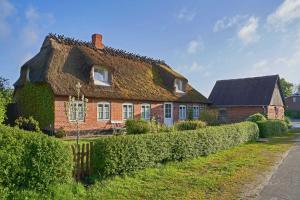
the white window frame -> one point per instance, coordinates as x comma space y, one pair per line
106, 75
123, 116
76, 112
182, 115
145, 117
198, 112
103, 103
177, 88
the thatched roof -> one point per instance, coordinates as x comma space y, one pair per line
254, 91
62, 62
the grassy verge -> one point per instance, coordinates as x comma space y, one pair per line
218, 176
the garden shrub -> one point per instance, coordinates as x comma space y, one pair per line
29, 124
124, 154
288, 122
270, 128
210, 116
292, 113
32, 161
189, 125
60, 133
137, 126
2, 108
256, 117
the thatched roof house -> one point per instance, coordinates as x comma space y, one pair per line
105, 73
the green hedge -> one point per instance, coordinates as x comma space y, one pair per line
292, 113
123, 154
256, 117
32, 160
137, 126
272, 128
189, 125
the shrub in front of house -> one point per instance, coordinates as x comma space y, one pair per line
189, 125
124, 154
256, 117
29, 124
288, 122
271, 128
292, 113
32, 161
60, 133
134, 126
210, 116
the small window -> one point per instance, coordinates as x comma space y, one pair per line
103, 111
179, 85
145, 111
127, 111
76, 111
196, 112
182, 112
294, 99
101, 76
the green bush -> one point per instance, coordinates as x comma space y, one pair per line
32, 161
29, 124
60, 133
270, 128
256, 117
292, 113
189, 125
137, 126
2, 108
124, 154
288, 122
210, 116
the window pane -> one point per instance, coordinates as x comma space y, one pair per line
80, 111
100, 75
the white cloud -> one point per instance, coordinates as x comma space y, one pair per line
286, 13
228, 22
187, 15
248, 33
195, 46
6, 10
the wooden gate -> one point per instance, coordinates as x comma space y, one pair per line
82, 160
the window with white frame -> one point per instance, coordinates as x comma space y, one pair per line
145, 111
196, 111
76, 111
294, 99
182, 112
179, 85
127, 111
101, 76
103, 111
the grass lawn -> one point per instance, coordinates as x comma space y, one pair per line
219, 176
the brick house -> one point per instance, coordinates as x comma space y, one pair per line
119, 85
293, 102
236, 99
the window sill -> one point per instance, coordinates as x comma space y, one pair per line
100, 83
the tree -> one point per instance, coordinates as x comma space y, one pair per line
6, 91
286, 87
2, 109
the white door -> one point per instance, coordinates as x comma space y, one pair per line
168, 114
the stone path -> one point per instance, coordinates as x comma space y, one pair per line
285, 182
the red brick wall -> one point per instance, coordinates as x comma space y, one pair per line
91, 122
275, 112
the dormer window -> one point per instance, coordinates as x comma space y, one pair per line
101, 76
179, 86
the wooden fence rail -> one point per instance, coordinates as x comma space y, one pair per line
82, 160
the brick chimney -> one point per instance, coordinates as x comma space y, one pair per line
97, 41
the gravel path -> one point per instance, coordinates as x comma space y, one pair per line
285, 182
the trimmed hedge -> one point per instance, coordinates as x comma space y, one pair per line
256, 117
292, 113
189, 125
272, 128
137, 126
124, 154
32, 160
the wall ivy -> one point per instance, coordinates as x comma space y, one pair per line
36, 100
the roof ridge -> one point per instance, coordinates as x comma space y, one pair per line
109, 50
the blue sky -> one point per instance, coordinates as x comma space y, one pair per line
204, 40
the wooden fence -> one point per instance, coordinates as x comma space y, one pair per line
82, 160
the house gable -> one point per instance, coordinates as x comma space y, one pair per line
277, 99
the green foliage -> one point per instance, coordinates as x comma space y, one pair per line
36, 100
134, 126
2, 108
271, 128
124, 154
29, 124
292, 113
156, 127
60, 133
32, 161
210, 116
190, 113
6, 91
256, 117
288, 122
286, 87
189, 125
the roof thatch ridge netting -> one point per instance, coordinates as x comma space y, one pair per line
109, 50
